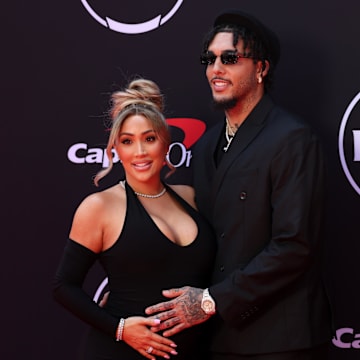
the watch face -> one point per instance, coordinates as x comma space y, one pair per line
208, 306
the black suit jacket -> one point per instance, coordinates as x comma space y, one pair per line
265, 202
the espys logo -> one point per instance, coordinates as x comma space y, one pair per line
131, 26
179, 153
349, 143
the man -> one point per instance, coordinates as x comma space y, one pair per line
258, 178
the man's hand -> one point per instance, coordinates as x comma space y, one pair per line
180, 313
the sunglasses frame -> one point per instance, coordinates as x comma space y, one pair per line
227, 57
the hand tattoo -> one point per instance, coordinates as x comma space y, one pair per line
182, 312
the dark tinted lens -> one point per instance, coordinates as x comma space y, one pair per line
229, 58
207, 59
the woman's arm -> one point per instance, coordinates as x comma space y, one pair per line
78, 257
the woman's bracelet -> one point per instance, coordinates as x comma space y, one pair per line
120, 330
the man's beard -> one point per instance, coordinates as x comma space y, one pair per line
224, 104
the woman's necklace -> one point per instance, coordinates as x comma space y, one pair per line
161, 193
229, 135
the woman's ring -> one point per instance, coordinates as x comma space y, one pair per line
149, 349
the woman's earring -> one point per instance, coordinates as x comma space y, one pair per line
260, 79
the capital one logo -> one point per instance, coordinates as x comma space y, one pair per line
179, 151
349, 143
346, 339
98, 10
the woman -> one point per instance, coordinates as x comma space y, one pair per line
146, 234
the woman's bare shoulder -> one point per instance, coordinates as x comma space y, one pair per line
93, 217
101, 200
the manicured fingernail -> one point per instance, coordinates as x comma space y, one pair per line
173, 345
173, 352
166, 356
157, 321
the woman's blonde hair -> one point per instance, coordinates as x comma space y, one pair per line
140, 97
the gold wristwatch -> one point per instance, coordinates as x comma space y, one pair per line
208, 303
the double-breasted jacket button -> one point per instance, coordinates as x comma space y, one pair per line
243, 195
222, 268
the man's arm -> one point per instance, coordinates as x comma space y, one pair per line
297, 175
183, 311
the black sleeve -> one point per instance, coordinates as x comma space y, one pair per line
67, 289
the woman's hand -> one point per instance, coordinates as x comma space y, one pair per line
138, 335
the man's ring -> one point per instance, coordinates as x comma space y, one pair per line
149, 349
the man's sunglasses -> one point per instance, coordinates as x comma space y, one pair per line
227, 57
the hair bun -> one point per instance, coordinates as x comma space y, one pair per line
138, 92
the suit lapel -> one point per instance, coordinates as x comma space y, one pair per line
250, 128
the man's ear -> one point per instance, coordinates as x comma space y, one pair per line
265, 67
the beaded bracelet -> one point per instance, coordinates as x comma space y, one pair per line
120, 330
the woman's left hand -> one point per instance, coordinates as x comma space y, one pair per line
138, 335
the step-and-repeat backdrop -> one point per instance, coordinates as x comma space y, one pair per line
61, 62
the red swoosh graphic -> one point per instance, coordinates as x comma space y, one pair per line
192, 128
